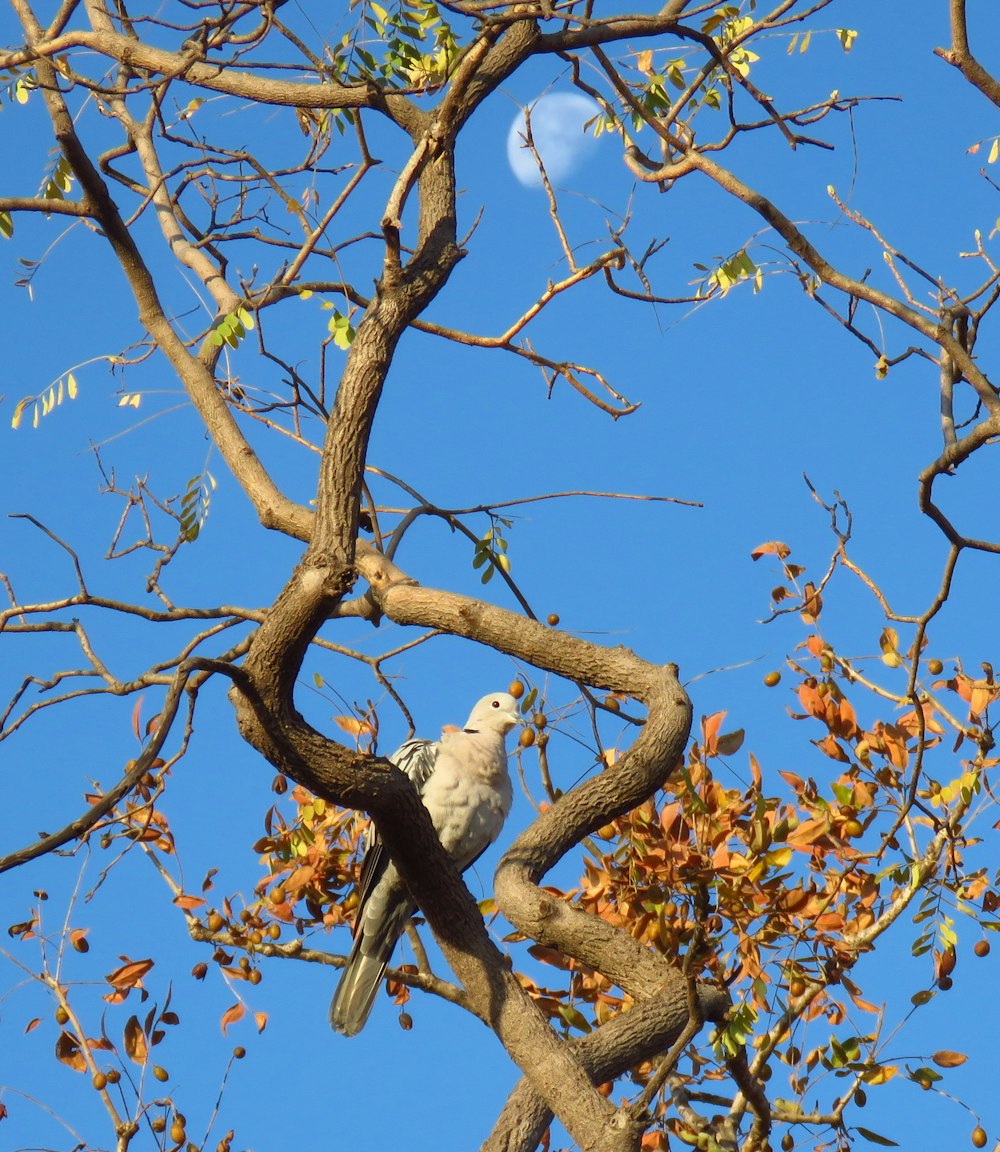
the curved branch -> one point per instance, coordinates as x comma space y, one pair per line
960, 55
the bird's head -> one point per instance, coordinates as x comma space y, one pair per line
494, 713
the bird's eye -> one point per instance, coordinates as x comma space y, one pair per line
494, 703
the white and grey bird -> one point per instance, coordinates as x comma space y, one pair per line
463, 782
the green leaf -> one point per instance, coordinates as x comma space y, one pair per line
574, 1017
875, 1138
6, 225
342, 330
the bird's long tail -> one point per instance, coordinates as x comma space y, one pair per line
370, 955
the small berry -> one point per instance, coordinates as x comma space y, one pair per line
527, 737
978, 1136
553, 619
160, 1074
516, 689
772, 678
981, 948
100, 1081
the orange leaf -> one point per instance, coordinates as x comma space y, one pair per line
188, 903
260, 1019
848, 721
129, 974
865, 1005
232, 1015
68, 1052
730, 743
829, 922
135, 1041
794, 900
353, 726
78, 939
832, 749
771, 548
946, 1059
32, 1025
812, 604
811, 700
136, 713
549, 955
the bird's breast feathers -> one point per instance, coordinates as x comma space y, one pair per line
468, 796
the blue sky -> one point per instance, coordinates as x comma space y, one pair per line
740, 397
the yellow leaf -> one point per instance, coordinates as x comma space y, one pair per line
71, 386
881, 1075
15, 420
994, 151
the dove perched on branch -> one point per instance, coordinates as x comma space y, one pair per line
463, 782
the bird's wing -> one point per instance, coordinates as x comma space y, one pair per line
384, 907
416, 758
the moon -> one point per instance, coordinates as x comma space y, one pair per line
557, 121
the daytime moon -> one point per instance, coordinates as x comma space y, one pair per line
557, 121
